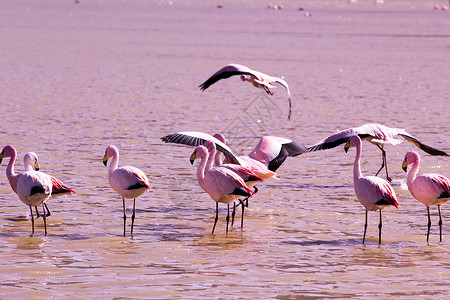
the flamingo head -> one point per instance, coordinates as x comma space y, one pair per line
7, 151
245, 78
410, 157
220, 136
199, 151
31, 159
110, 151
353, 141
209, 145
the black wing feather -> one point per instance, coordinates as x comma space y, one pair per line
426, 148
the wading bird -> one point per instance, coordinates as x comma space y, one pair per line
430, 189
372, 192
33, 187
258, 79
128, 182
222, 184
376, 134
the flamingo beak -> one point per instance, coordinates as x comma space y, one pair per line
36, 166
346, 147
105, 159
1, 156
405, 165
193, 157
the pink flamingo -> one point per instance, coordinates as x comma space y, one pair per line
249, 177
257, 79
372, 192
222, 184
430, 189
128, 182
376, 134
33, 187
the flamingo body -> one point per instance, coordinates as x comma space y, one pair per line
257, 79
430, 189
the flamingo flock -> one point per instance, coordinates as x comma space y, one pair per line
229, 178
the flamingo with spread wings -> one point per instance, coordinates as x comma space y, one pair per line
376, 134
257, 79
372, 192
430, 189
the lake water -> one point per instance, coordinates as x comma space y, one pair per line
77, 77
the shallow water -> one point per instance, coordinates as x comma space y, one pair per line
76, 78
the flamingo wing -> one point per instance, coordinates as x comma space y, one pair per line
335, 140
422, 146
59, 188
226, 72
273, 151
193, 138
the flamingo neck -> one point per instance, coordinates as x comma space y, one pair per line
211, 159
114, 163
201, 170
357, 165
413, 172
10, 168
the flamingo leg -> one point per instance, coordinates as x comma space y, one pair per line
429, 223
233, 213
242, 219
133, 215
37, 212
217, 217
440, 223
45, 219
365, 229
124, 216
268, 91
379, 229
383, 164
32, 221
48, 210
228, 215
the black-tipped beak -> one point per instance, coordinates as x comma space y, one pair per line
36, 166
193, 157
1, 156
405, 165
105, 160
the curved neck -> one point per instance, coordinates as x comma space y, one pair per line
201, 169
357, 165
413, 172
10, 169
114, 163
211, 159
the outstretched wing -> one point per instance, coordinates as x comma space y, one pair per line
194, 138
426, 148
273, 151
226, 72
334, 140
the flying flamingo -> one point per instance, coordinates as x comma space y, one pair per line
222, 184
372, 192
258, 79
249, 177
430, 189
377, 134
128, 182
32, 187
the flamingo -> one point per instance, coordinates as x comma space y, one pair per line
377, 134
430, 189
373, 193
222, 184
258, 79
128, 182
32, 187
249, 177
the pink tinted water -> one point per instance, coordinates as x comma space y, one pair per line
78, 77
